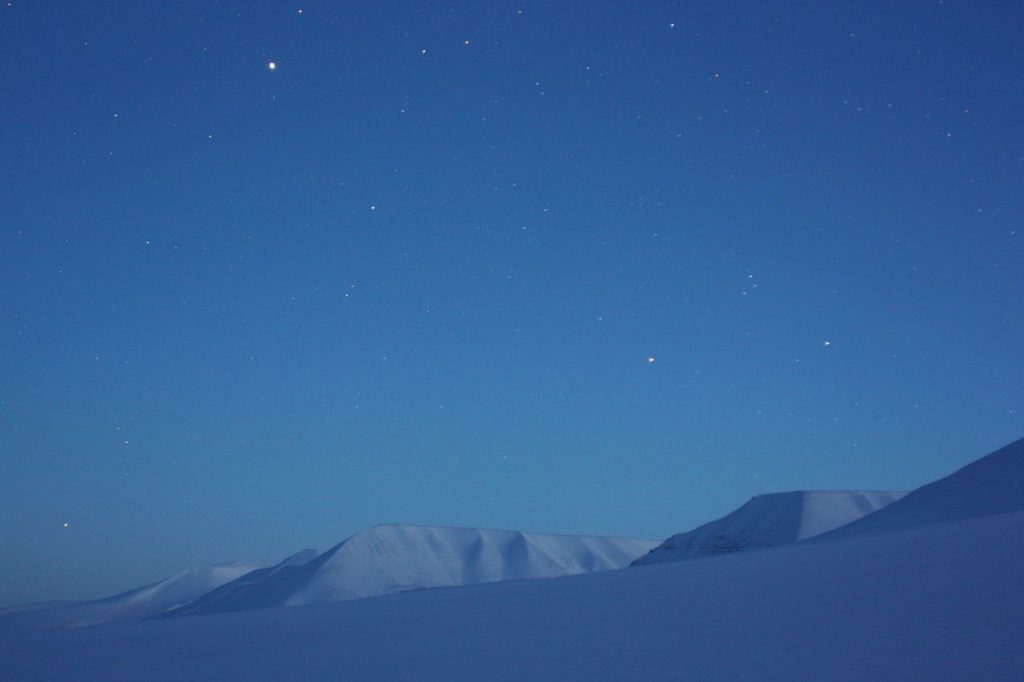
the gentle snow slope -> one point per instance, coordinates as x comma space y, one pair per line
770, 520
388, 559
940, 603
991, 485
135, 604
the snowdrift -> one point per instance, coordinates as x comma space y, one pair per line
771, 520
398, 558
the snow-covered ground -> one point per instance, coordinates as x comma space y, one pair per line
931, 593
771, 520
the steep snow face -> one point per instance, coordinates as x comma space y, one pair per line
991, 485
395, 558
770, 520
824, 510
136, 604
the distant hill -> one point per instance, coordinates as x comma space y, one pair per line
770, 520
136, 604
397, 558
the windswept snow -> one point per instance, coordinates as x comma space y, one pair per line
398, 558
136, 604
771, 520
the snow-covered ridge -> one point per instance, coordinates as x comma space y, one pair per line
771, 520
397, 558
381, 560
989, 486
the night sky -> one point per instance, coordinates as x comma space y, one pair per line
274, 272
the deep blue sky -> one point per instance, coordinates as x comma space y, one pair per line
415, 273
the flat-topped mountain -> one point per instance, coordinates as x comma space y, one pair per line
397, 558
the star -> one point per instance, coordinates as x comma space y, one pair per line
272, 65
650, 359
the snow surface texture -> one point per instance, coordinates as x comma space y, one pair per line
991, 485
771, 520
392, 558
137, 604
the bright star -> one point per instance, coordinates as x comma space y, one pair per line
271, 65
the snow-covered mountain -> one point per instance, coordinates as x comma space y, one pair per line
936, 603
991, 485
398, 558
770, 520
937, 599
136, 604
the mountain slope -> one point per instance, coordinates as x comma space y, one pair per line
937, 603
135, 604
991, 485
770, 520
394, 558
